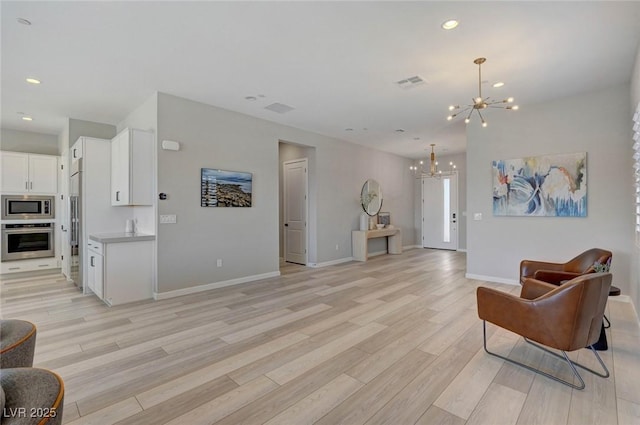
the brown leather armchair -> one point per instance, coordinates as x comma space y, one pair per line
566, 317
558, 272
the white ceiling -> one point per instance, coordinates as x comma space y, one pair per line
336, 63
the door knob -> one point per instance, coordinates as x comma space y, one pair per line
286, 224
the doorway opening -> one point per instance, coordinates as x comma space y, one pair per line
440, 212
296, 218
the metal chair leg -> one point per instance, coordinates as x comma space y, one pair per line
606, 371
606, 319
538, 371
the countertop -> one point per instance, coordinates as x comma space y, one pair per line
121, 237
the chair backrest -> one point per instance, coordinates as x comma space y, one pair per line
578, 310
584, 262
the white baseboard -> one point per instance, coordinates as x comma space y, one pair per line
491, 279
461, 250
209, 286
408, 247
330, 263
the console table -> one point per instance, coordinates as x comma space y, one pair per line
360, 238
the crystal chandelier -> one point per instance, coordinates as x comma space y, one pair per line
480, 102
433, 166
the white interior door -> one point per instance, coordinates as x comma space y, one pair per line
295, 211
440, 212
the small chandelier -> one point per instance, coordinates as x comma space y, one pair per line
480, 102
433, 166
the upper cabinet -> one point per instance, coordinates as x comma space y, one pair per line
29, 173
132, 168
75, 152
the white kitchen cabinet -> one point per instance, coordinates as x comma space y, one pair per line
122, 268
91, 211
76, 151
132, 168
29, 265
29, 173
95, 268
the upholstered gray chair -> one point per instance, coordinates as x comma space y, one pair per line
30, 396
27, 395
17, 343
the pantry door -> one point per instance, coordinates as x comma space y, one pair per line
295, 211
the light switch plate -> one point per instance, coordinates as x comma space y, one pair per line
477, 216
168, 219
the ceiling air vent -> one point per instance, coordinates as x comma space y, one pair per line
410, 82
279, 108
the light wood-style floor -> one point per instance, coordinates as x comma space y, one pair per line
395, 340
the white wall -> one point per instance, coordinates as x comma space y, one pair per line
597, 123
634, 290
29, 142
247, 239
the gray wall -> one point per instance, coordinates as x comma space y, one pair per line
79, 128
29, 142
247, 239
578, 124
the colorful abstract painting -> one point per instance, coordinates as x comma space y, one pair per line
550, 185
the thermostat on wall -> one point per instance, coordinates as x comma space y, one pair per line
170, 145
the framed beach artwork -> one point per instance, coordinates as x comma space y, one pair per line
221, 188
384, 218
549, 186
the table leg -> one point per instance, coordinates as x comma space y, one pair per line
601, 345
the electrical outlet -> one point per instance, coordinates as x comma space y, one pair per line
337, 247
168, 219
219, 262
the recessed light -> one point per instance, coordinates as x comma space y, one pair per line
23, 21
27, 118
33, 81
416, 138
348, 129
399, 130
450, 24
251, 98
498, 84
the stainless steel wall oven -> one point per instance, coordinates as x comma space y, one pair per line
27, 240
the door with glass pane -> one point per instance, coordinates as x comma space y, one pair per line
440, 212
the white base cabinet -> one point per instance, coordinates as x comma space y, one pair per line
29, 265
95, 268
120, 272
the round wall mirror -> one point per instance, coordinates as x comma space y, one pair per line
371, 197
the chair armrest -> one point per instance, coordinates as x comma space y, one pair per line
546, 319
555, 277
532, 288
503, 309
529, 267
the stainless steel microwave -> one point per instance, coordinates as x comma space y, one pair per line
27, 207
